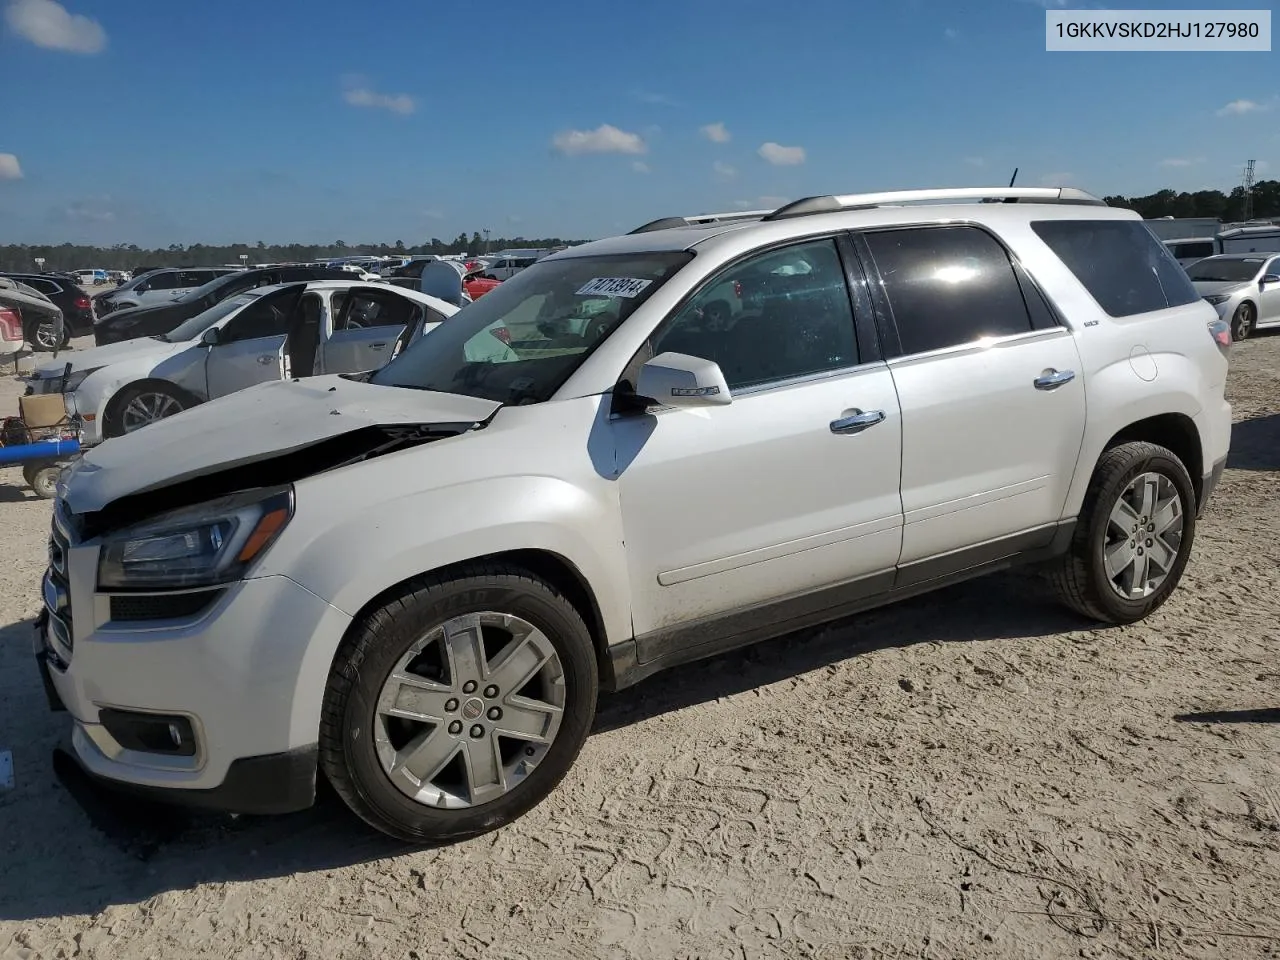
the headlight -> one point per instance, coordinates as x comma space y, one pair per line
1218, 298
77, 377
199, 546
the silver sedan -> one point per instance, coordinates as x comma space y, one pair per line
1243, 287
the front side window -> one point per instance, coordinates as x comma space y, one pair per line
518, 343
266, 316
1124, 267
948, 286
774, 316
203, 321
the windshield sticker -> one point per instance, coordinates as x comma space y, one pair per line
613, 287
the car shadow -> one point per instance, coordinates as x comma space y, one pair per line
15, 491
132, 849
1262, 715
1255, 444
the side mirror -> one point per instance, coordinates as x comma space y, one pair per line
210, 337
1270, 278
679, 380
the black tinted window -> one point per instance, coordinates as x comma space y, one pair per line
162, 281
1120, 262
777, 315
1193, 249
948, 286
267, 316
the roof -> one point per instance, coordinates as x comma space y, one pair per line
1251, 255
858, 211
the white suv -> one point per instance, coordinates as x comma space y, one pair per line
417, 580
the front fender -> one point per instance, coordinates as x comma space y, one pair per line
349, 561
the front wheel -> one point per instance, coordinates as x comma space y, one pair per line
135, 407
1242, 322
1132, 538
459, 704
43, 479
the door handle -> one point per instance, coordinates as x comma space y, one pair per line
1052, 379
265, 359
857, 422
377, 346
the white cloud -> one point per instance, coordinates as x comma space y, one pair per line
359, 93
781, 156
951, 33
976, 161
605, 138
657, 99
717, 132
515, 219
88, 211
1181, 161
1238, 107
774, 201
10, 169
1057, 179
433, 214
48, 24
761, 203
724, 171
639, 166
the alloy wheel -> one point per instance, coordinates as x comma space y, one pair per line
1144, 536
147, 408
470, 710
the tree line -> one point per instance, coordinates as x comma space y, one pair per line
128, 256
1227, 207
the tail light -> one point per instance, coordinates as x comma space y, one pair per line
1220, 330
83, 303
503, 334
10, 325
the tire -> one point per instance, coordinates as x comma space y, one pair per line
1243, 322
126, 411
40, 335
42, 479
362, 747
1081, 577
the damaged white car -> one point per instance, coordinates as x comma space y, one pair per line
269, 333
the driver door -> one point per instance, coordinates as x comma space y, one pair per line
364, 324
1269, 294
251, 346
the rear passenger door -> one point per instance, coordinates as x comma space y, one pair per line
160, 288
364, 323
992, 397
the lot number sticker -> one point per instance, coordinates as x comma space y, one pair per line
613, 287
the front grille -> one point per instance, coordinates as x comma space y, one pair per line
57, 587
171, 606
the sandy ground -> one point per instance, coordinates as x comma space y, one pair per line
972, 774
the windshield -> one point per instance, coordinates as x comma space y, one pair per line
1225, 270
524, 338
216, 287
203, 321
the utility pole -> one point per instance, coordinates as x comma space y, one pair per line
486, 242
1248, 191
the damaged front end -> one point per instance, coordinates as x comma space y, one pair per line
276, 473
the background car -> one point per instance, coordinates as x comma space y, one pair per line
76, 307
32, 308
267, 333
155, 287
152, 321
1243, 287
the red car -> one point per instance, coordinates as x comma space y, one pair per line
477, 284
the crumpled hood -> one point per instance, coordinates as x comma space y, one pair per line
1207, 288
96, 357
260, 423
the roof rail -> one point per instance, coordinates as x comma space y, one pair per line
666, 222
862, 201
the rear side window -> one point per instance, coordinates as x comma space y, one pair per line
163, 281
948, 286
1200, 250
1120, 262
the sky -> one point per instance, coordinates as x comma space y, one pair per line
223, 121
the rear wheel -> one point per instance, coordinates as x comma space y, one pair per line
1133, 536
1242, 322
43, 336
135, 407
459, 704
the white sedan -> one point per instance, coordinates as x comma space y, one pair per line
269, 333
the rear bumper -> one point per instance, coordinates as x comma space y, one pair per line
1209, 484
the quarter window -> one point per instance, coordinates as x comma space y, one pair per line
775, 316
1120, 262
375, 309
948, 286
